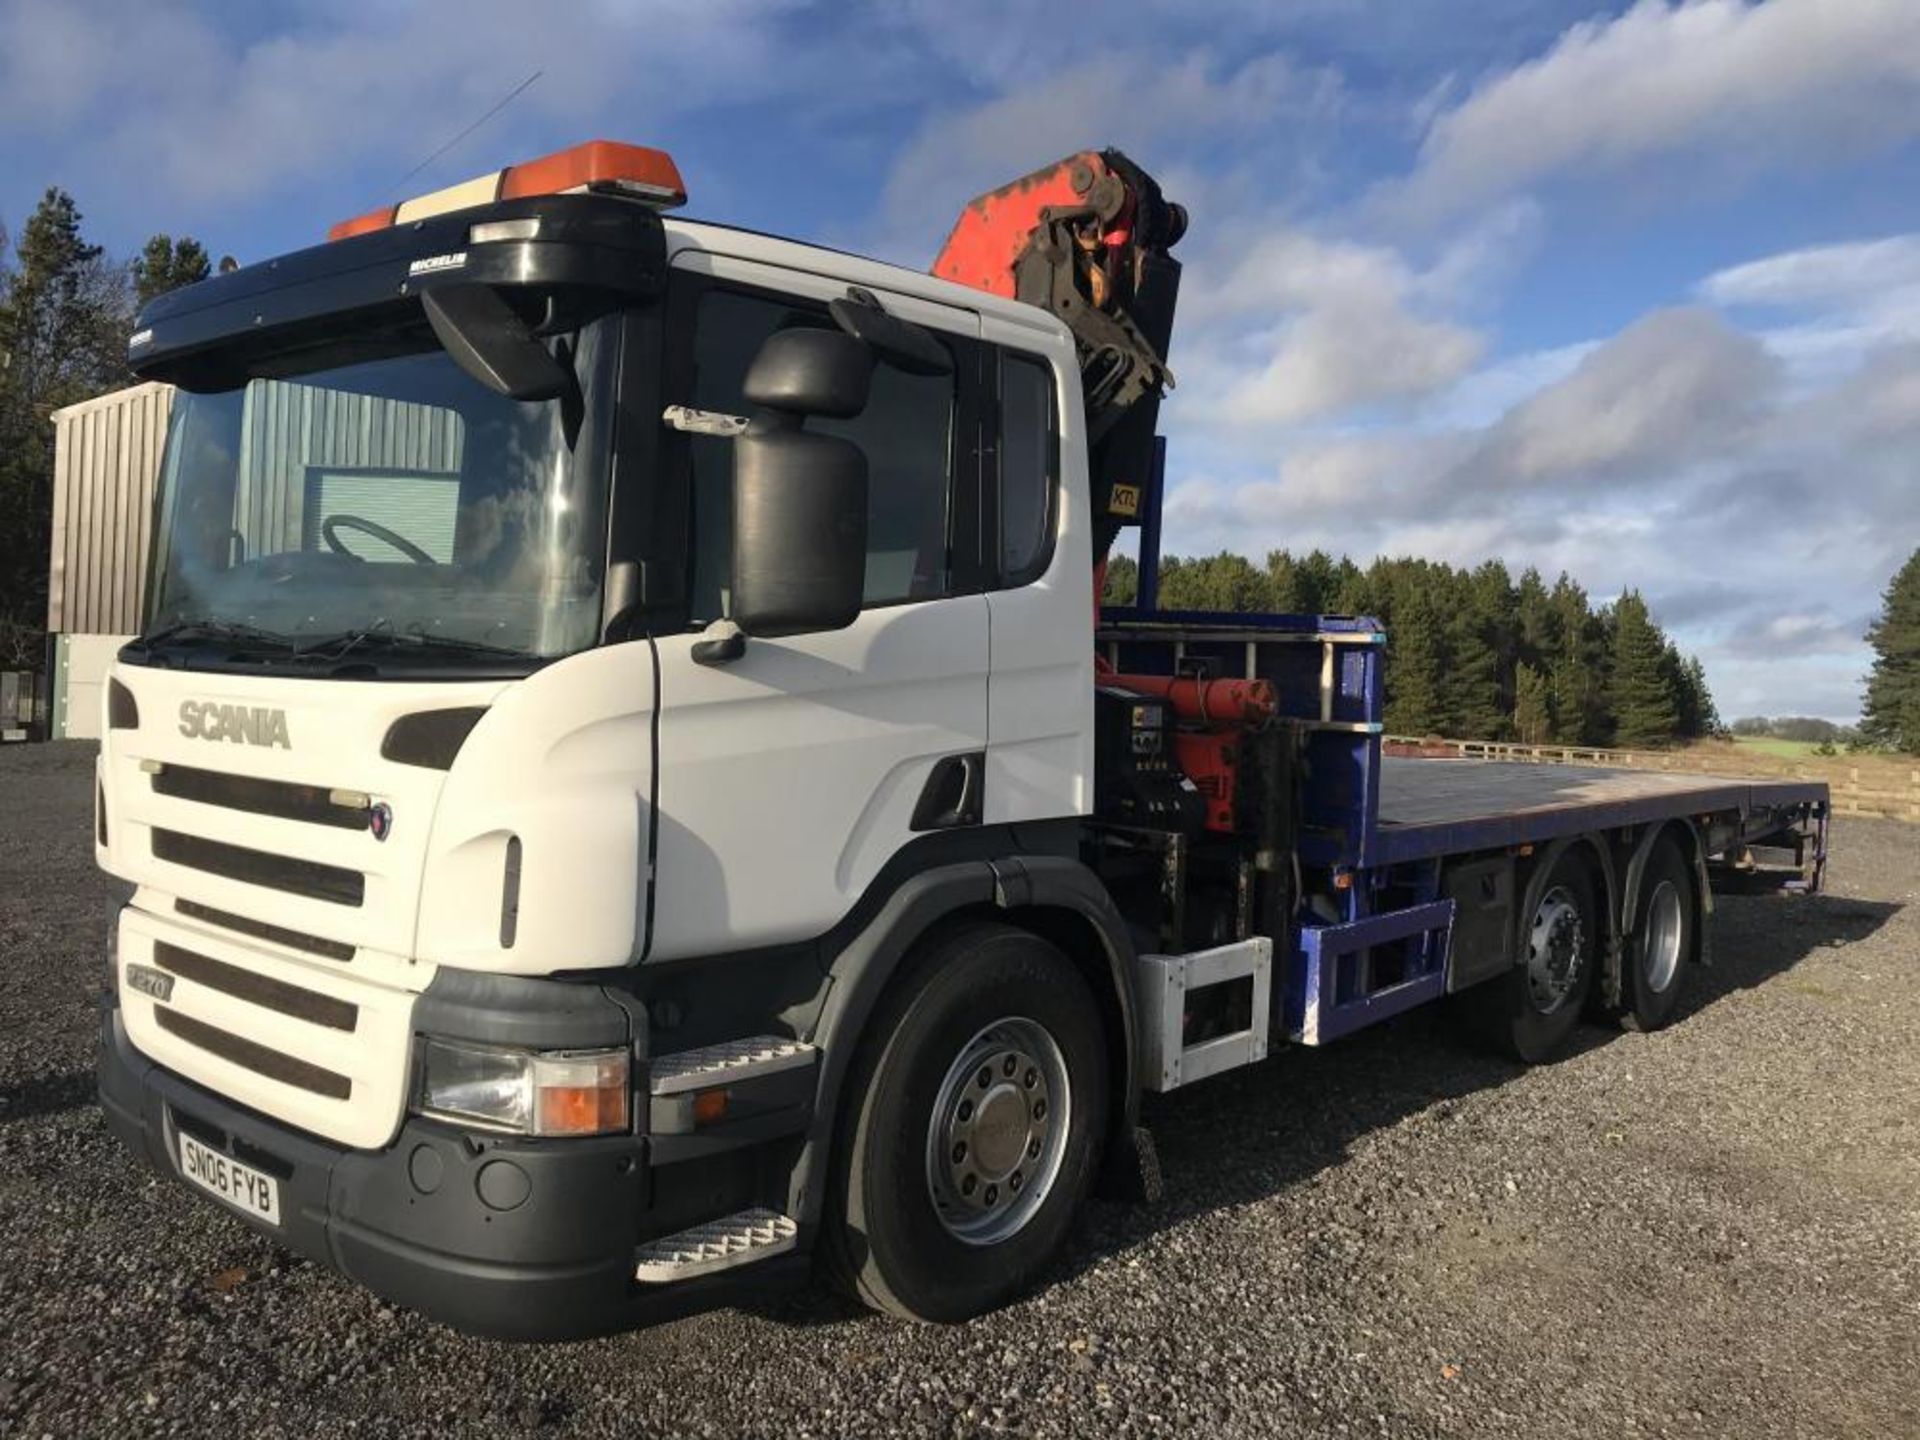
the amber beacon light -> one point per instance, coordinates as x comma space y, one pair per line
602, 166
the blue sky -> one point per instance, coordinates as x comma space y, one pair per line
1632, 290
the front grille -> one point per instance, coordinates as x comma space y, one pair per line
282, 799
252, 1056
256, 867
262, 990
261, 930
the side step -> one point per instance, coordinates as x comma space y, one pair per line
717, 1245
727, 1063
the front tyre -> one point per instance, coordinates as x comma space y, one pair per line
977, 1106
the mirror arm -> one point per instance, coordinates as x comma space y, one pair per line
721, 643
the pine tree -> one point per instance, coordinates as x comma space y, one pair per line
1225, 583
1892, 717
1574, 672
64, 319
1706, 714
1284, 584
1319, 579
1640, 687
1532, 706
1537, 635
1416, 663
1477, 630
1123, 581
167, 264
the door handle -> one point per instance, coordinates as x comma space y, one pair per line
952, 796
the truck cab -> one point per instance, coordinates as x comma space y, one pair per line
496, 875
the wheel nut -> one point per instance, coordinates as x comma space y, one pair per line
959, 1152
966, 1111
985, 1077
1008, 1066
968, 1183
1013, 1184
1039, 1109
1033, 1078
992, 1197
1033, 1149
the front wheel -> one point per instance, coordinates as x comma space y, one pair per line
977, 1108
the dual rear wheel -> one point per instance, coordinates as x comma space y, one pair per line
1531, 1010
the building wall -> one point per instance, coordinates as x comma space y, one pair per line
106, 458
80, 665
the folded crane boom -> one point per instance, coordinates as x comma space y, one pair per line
1087, 239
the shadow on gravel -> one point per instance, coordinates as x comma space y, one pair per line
1251, 1134
48, 1095
1756, 938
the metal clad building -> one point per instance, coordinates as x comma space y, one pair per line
106, 458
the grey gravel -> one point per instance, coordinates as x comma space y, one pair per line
1711, 1231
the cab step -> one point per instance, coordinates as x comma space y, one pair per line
727, 1063
716, 1245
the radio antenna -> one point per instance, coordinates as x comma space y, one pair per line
498, 106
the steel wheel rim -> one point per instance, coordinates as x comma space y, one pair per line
1556, 949
998, 1132
1663, 935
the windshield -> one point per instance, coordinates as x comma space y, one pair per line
392, 505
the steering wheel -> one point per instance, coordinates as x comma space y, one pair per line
379, 532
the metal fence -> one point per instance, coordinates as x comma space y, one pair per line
1877, 785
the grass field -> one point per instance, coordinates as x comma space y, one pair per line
1768, 745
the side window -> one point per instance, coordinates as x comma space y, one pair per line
906, 432
1029, 468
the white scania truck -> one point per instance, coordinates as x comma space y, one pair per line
624, 787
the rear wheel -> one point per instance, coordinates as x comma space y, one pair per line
1531, 1010
1663, 940
973, 1126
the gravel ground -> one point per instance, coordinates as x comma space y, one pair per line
1712, 1231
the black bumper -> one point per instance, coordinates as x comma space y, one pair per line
409, 1223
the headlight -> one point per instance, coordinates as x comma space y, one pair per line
563, 1092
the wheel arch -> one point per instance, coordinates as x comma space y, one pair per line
1600, 864
1055, 897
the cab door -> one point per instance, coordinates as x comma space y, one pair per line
792, 773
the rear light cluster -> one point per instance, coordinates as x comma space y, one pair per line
599, 165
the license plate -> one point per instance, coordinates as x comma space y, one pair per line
241, 1186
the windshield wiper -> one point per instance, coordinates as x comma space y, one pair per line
210, 629
337, 647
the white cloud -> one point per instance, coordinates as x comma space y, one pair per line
1820, 275
1745, 84
1197, 102
151, 89
1672, 387
1303, 328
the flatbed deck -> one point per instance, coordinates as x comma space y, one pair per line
1440, 807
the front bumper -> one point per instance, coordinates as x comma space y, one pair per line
410, 1222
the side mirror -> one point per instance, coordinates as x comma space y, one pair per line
493, 344
905, 346
800, 499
